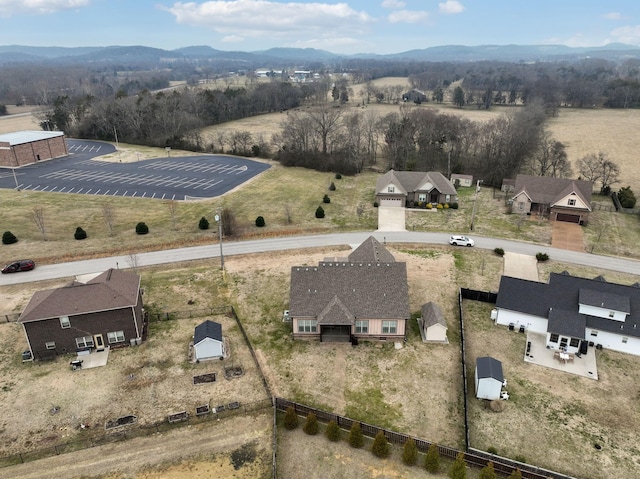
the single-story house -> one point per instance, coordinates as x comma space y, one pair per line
416, 96
208, 342
362, 296
433, 326
105, 311
463, 180
406, 188
489, 378
27, 147
561, 198
574, 313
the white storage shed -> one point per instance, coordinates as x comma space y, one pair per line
489, 378
208, 342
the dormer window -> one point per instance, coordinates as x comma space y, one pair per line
391, 189
572, 201
64, 322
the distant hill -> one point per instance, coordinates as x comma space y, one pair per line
13, 54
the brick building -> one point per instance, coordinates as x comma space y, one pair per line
26, 147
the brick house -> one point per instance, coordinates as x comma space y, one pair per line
363, 296
105, 311
27, 147
406, 188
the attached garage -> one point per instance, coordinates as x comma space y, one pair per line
398, 202
27, 147
568, 218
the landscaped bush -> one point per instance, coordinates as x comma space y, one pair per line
516, 474
626, 197
375, 204
332, 186
142, 228
290, 419
311, 425
356, 438
429, 206
542, 257
319, 212
487, 472
260, 222
9, 238
439, 206
454, 206
338, 176
326, 199
432, 459
499, 251
333, 432
380, 446
410, 452
203, 224
80, 234
458, 469
492, 450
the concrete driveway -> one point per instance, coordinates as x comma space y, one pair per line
391, 218
567, 236
523, 266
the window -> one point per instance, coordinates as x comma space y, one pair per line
572, 202
574, 342
611, 314
391, 189
553, 338
362, 326
389, 327
64, 322
447, 198
115, 337
594, 333
307, 326
50, 345
520, 206
422, 197
84, 342
624, 340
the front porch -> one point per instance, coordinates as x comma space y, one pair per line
536, 352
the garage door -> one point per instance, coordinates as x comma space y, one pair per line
391, 202
568, 218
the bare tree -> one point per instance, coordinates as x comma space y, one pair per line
326, 121
287, 214
38, 218
172, 205
108, 213
134, 261
599, 168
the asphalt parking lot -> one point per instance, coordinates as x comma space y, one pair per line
173, 178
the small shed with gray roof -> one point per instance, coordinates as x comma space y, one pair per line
27, 147
433, 326
208, 342
489, 378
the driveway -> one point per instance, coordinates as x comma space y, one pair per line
523, 266
391, 218
567, 236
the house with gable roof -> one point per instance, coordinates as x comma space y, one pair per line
105, 311
407, 188
561, 199
573, 313
363, 296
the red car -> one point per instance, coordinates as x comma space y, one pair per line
21, 265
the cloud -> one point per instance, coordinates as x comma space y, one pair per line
393, 4
38, 7
268, 19
612, 16
629, 34
408, 16
450, 7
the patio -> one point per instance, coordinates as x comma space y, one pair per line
584, 365
93, 359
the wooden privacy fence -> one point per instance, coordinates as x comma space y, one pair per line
473, 458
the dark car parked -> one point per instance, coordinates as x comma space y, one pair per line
21, 265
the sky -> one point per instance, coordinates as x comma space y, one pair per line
343, 27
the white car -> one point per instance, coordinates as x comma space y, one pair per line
459, 240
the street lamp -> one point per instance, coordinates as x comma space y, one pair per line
218, 218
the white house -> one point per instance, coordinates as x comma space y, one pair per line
489, 378
463, 180
208, 342
574, 313
433, 327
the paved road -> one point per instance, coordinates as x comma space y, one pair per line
68, 270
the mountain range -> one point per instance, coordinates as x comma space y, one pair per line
276, 57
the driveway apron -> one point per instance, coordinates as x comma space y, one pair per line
567, 236
391, 218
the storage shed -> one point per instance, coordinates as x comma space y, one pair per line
208, 342
433, 327
489, 378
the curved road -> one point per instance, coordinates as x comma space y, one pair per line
66, 270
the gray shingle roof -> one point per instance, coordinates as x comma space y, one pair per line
371, 250
432, 314
562, 293
411, 180
113, 289
489, 367
602, 299
566, 323
207, 329
547, 190
345, 291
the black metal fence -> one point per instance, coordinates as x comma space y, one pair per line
189, 313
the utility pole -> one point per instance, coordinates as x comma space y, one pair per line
218, 218
475, 201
